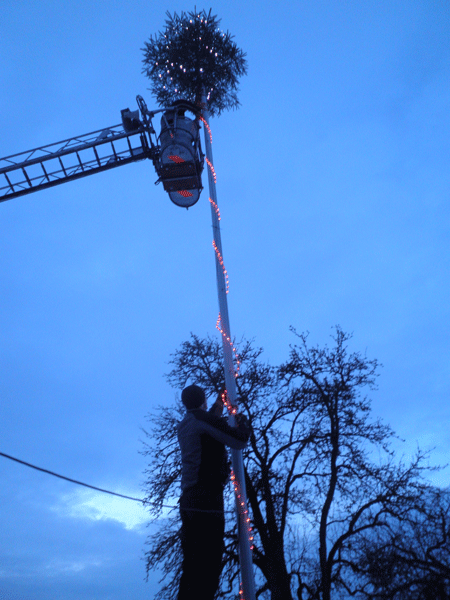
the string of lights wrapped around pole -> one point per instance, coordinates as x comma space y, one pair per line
247, 591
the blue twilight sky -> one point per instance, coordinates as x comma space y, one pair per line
333, 184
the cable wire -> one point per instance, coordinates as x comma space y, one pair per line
92, 487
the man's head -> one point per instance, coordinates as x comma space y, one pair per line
193, 396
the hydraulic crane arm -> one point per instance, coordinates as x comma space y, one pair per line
80, 156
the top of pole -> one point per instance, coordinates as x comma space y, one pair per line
193, 54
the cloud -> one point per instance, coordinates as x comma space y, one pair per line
57, 566
95, 506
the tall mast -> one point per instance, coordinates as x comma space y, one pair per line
245, 553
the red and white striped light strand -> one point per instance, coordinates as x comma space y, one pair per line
208, 128
222, 264
219, 257
226, 402
242, 507
211, 169
243, 511
216, 208
240, 498
228, 340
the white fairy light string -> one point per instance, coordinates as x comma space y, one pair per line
216, 68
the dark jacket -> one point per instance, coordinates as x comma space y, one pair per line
202, 437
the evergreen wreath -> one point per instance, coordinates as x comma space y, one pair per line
193, 54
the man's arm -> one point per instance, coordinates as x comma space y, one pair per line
218, 428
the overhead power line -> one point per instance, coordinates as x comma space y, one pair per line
92, 487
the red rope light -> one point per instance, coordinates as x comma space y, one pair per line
208, 128
240, 499
212, 169
220, 259
216, 208
229, 341
242, 507
230, 408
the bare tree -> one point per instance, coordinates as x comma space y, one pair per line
350, 494
313, 486
411, 559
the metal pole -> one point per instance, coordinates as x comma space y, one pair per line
245, 553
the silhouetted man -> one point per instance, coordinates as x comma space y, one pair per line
202, 436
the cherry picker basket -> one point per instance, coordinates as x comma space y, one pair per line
181, 157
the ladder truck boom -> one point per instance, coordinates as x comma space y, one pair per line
133, 140
76, 157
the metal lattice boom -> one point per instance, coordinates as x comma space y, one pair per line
76, 157
133, 140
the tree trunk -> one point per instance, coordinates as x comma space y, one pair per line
277, 575
323, 552
274, 565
